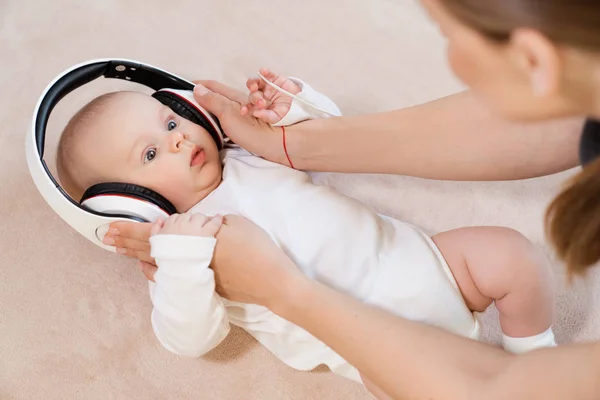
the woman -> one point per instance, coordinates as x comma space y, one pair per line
530, 60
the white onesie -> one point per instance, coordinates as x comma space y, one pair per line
332, 238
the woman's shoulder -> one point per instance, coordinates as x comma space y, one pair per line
589, 144
592, 123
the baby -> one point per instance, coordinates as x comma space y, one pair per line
443, 281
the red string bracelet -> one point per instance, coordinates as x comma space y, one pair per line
285, 147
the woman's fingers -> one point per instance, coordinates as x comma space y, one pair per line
126, 243
141, 255
131, 230
224, 90
130, 239
148, 270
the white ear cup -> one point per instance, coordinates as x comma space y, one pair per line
123, 205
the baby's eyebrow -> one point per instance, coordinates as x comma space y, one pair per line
134, 149
164, 113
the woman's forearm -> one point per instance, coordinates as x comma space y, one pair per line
409, 360
452, 138
405, 359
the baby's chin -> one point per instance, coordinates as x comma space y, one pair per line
206, 182
188, 204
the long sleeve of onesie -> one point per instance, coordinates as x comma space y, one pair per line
189, 318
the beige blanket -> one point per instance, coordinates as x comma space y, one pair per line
74, 319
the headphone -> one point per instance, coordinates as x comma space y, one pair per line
108, 202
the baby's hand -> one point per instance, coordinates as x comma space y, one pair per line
188, 224
265, 102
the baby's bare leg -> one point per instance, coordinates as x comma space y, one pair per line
501, 265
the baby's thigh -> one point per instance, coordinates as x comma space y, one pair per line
488, 261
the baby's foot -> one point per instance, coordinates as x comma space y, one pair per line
267, 103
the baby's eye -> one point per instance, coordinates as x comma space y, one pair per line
171, 124
150, 155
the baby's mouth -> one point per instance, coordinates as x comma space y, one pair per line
198, 156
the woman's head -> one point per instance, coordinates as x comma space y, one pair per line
533, 60
530, 59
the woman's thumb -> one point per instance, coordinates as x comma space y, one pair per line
148, 270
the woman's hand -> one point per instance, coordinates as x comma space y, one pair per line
182, 224
130, 239
133, 240
249, 267
251, 133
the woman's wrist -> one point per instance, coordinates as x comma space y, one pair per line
297, 138
271, 146
289, 290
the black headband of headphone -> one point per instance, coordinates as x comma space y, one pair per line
126, 70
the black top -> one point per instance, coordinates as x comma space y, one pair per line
589, 145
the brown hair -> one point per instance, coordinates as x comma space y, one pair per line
573, 218
572, 22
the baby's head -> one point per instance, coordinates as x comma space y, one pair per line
133, 138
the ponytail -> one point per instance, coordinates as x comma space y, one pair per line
573, 221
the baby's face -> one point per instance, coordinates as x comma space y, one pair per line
138, 140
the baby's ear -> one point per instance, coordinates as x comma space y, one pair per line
73, 191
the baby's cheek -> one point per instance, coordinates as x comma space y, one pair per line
173, 189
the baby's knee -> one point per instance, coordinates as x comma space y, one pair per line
527, 261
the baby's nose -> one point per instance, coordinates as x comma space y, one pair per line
176, 139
